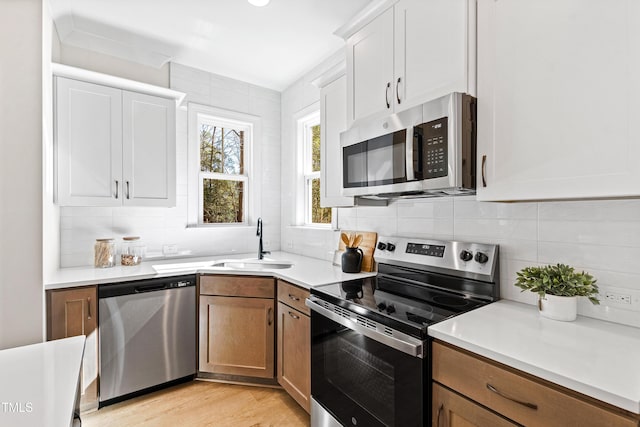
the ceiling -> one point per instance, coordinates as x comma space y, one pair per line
270, 46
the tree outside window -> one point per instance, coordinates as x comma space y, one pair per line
314, 213
222, 177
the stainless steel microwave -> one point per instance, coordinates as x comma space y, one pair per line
427, 150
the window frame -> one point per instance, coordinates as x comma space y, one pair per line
305, 120
197, 115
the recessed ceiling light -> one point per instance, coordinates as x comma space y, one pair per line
259, 3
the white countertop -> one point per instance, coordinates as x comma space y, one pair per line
38, 383
305, 272
593, 357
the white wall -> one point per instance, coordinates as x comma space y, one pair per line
161, 226
21, 88
601, 237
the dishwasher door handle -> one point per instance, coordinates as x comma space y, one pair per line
150, 288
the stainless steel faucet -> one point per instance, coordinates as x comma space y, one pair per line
261, 253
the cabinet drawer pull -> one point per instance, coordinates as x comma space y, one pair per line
439, 413
117, 188
293, 315
484, 170
269, 319
397, 90
89, 308
386, 94
127, 189
520, 402
294, 297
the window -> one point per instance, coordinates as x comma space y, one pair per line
219, 164
314, 214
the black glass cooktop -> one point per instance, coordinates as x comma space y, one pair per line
407, 307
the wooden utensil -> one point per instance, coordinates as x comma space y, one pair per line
344, 238
367, 244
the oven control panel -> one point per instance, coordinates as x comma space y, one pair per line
476, 259
425, 249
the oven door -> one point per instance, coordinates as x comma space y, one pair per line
360, 380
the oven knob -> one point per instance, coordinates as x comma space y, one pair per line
391, 309
382, 246
382, 306
466, 256
391, 247
481, 258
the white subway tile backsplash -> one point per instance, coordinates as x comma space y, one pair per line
599, 257
522, 229
466, 208
434, 228
591, 210
617, 233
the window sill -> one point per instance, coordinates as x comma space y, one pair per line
314, 227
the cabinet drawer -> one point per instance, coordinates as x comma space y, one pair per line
237, 286
450, 409
293, 296
517, 397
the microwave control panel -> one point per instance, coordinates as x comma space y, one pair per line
434, 156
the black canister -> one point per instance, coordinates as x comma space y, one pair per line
352, 260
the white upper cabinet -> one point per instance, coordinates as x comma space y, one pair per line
333, 120
89, 139
115, 147
432, 55
149, 150
558, 85
370, 68
412, 52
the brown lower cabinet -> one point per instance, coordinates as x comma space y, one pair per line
237, 326
294, 343
452, 410
73, 312
469, 390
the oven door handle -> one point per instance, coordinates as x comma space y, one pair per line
400, 341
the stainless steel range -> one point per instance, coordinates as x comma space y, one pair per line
370, 363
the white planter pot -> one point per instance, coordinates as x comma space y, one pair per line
558, 308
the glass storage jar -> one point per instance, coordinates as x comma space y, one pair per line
132, 251
104, 253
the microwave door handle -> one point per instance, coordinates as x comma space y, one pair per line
418, 166
411, 176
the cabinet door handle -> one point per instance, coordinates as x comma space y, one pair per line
386, 94
117, 187
519, 402
439, 413
294, 297
269, 319
398, 90
127, 189
484, 170
294, 316
89, 308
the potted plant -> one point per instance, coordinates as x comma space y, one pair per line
558, 288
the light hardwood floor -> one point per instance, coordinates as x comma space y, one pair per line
204, 403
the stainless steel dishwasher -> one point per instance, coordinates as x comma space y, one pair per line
147, 333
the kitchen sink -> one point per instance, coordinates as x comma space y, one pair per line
248, 264
181, 266
253, 264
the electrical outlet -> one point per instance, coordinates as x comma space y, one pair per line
267, 244
289, 244
628, 299
617, 298
169, 250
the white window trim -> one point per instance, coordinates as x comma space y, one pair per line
253, 160
302, 120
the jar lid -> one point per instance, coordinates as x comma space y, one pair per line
129, 238
110, 239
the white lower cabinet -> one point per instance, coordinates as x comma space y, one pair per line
558, 83
114, 147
